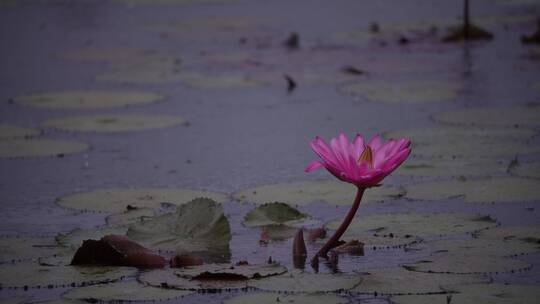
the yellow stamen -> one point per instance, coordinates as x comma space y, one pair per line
366, 155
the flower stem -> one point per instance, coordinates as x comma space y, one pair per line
331, 243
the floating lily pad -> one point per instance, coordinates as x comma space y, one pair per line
75, 238
234, 272
504, 189
440, 134
421, 299
408, 92
34, 275
225, 81
455, 168
398, 280
307, 282
415, 224
155, 70
198, 225
531, 169
88, 99
130, 216
495, 293
279, 232
379, 241
114, 122
117, 199
273, 214
481, 247
492, 116
529, 234
110, 55
39, 147
303, 193
467, 264
11, 131
124, 291
470, 142
275, 298
15, 249
166, 278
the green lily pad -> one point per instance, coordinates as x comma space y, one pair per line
530, 234
415, 224
275, 298
495, 293
471, 142
504, 189
408, 92
451, 168
398, 280
198, 225
15, 249
467, 264
307, 282
76, 237
441, 134
239, 272
377, 241
35, 275
116, 200
110, 55
113, 122
421, 299
166, 278
279, 232
531, 169
481, 247
88, 99
10, 131
124, 291
155, 70
130, 216
505, 116
303, 193
35, 147
273, 214
225, 81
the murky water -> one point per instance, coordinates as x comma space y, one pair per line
245, 136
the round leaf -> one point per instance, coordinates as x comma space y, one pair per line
303, 193
503, 189
88, 99
117, 199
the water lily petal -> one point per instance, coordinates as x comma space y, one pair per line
375, 142
313, 165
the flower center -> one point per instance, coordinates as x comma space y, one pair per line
367, 155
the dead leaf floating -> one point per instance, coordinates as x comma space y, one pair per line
116, 250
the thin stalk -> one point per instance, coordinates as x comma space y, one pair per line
331, 243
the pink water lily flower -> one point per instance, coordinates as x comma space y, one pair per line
358, 163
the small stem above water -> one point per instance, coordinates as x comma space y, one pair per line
331, 243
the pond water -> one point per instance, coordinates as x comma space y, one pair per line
217, 69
